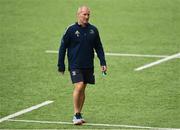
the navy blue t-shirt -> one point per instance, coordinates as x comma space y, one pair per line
80, 43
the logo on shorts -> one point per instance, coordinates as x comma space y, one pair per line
73, 73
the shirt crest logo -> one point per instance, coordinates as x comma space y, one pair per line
91, 31
77, 33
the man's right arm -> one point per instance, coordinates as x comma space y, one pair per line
62, 52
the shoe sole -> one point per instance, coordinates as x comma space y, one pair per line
78, 123
83, 121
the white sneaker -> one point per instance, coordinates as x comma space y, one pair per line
78, 120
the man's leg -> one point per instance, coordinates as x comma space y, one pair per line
82, 98
78, 100
79, 96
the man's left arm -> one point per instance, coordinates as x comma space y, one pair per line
100, 52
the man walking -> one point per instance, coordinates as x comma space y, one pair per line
80, 40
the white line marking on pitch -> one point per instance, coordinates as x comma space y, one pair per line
158, 62
92, 124
120, 54
25, 111
134, 55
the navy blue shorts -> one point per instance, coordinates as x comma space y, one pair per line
82, 75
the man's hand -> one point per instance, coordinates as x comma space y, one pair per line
104, 69
60, 71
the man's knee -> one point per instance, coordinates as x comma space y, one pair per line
80, 86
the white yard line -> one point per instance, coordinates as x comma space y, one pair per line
135, 55
51, 51
165, 58
25, 111
157, 62
120, 54
93, 124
